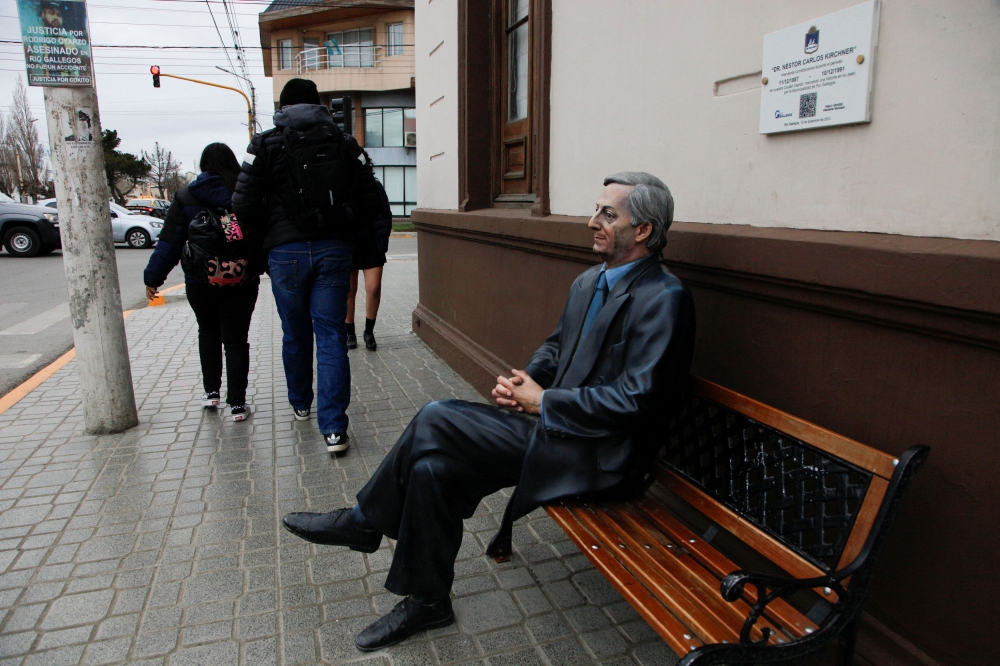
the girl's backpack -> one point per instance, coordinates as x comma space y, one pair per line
216, 252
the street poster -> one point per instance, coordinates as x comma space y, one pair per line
820, 73
56, 39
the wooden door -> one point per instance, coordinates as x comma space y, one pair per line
515, 100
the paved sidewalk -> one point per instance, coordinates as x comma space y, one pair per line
162, 545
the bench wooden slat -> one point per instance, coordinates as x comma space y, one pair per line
659, 618
688, 605
699, 585
856, 453
793, 622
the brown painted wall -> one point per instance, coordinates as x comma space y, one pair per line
890, 340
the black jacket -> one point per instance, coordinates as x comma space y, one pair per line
264, 184
604, 394
209, 189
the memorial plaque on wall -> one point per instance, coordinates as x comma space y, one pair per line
56, 39
820, 73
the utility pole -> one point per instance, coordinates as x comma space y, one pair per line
57, 56
95, 301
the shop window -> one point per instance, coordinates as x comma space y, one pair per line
400, 183
387, 127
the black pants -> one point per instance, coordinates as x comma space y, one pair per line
451, 455
223, 315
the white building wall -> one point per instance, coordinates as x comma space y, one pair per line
437, 103
633, 88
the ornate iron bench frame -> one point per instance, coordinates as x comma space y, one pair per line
816, 505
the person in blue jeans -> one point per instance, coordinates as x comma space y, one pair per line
309, 244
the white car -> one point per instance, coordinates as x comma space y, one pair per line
136, 231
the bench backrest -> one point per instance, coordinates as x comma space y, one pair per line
801, 495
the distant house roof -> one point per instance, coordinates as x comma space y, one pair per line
278, 5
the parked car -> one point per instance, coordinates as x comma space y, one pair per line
134, 230
28, 230
153, 207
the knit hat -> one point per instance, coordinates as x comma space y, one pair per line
299, 91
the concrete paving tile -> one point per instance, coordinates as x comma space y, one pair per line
503, 640
60, 657
566, 652
654, 653
54, 639
119, 625
483, 612
108, 652
217, 653
528, 657
206, 633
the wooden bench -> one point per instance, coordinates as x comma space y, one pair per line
742, 487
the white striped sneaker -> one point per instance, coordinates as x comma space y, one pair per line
240, 412
211, 399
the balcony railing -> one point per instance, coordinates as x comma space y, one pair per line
350, 57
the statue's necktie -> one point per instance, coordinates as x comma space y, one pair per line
596, 303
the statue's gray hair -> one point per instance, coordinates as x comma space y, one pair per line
650, 201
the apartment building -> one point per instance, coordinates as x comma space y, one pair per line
364, 50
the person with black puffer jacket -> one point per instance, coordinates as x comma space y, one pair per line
304, 192
222, 292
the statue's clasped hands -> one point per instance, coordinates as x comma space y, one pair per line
519, 392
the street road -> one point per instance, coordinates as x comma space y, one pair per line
34, 308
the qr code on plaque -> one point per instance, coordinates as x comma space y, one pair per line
807, 105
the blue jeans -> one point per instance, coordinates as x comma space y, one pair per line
310, 282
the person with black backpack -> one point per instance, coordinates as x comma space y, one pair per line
304, 191
221, 274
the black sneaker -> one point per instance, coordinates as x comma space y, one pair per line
211, 399
370, 343
301, 414
336, 443
240, 412
408, 617
352, 341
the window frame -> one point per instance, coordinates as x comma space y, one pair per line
362, 49
392, 49
381, 120
285, 46
478, 61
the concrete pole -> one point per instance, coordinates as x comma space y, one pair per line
95, 301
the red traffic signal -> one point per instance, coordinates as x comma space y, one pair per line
155, 71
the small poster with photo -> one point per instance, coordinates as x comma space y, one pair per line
56, 39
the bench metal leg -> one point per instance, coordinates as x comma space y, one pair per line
845, 646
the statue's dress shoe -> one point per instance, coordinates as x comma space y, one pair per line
332, 529
407, 618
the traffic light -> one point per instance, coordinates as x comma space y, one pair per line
155, 71
342, 109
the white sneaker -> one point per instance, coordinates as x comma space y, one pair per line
301, 414
211, 399
240, 412
336, 442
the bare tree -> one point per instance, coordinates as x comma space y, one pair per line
8, 163
27, 143
164, 170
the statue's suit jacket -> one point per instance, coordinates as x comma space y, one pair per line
605, 391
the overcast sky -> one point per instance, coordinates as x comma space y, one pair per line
184, 117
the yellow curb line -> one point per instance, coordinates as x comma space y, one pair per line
36, 379
159, 300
